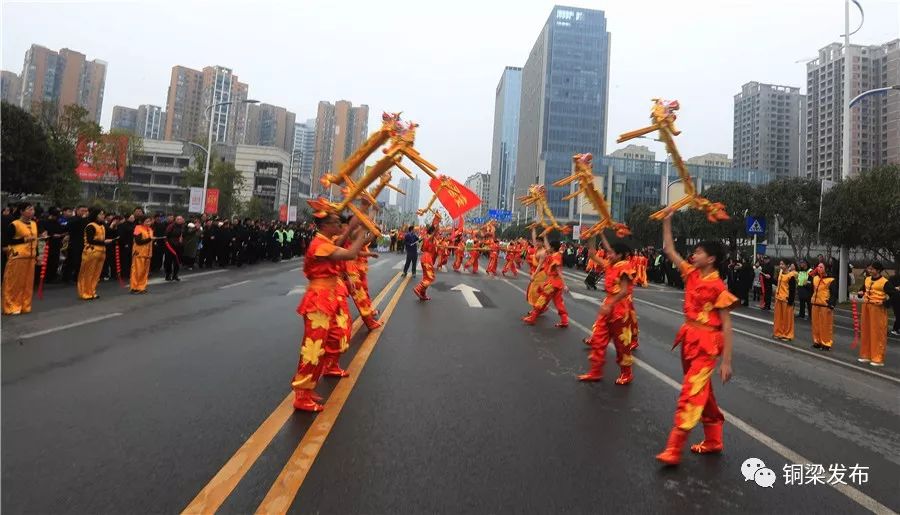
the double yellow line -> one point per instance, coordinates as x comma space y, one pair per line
286, 486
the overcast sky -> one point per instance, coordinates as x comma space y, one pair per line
439, 62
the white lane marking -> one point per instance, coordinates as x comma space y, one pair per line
581, 296
294, 269
68, 326
232, 285
793, 457
398, 265
786, 346
160, 280
748, 317
469, 294
300, 288
376, 264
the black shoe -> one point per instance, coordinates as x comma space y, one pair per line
168, 278
176, 278
403, 274
816, 346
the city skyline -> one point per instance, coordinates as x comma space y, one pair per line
452, 96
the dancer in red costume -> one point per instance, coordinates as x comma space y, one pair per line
474, 256
429, 254
616, 320
704, 336
443, 245
459, 252
512, 252
493, 257
357, 278
325, 318
551, 289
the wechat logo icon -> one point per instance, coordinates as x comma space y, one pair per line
753, 469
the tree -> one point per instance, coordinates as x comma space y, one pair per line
257, 209
644, 231
740, 200
28, 161
794, 204
863, 211
222, 176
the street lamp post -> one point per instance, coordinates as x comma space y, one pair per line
209, 138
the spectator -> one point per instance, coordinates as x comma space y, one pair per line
174, 245
410, 242
191, 242
804, 288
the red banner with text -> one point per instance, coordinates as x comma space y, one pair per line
103, 159
212, 201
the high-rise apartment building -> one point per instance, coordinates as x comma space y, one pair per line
124, 119
874, 122
304, 149
769, 124
147, 121
9, 87
270, 126
480, 184
506, 139
340, 130
638, 152
409, 203
710, 159
563, 110
192, 92
61, 79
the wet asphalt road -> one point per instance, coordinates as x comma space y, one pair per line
458, 409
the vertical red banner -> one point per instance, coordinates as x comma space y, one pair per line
212, 201
283, 213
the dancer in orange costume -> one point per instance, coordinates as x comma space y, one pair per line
493, 257
140, 254
641, 270
93, 256
616, 319
551, 289
785, 291
325, 319
474, 256
20, 239
512, 251
874, 318
357, 277
429, 253
704, 336
520, 251
531, 258
443, 253
825, 294
459, 252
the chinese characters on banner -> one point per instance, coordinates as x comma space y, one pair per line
101, 159
196, 201
212, 201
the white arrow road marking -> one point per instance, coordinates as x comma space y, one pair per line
300, 288
468, 294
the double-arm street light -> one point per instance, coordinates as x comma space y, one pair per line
209, 140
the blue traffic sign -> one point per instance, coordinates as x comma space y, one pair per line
501, 215
756, 225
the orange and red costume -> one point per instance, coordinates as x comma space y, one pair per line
459, 254
357, 277
531, 257
512, 253
326, 322
701, 341
474, 255
552, 289
443, 253
493, 258
619, 325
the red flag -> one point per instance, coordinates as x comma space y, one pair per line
456, 198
